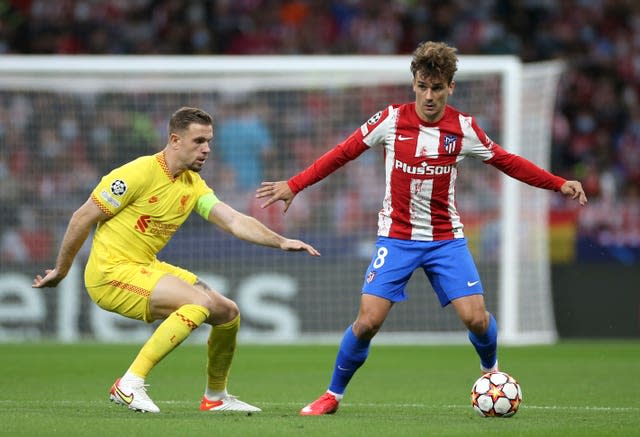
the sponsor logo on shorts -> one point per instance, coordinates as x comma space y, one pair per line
371, 276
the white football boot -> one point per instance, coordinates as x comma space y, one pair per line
228, 403
133, 395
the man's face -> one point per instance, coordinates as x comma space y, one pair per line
193, 145
431, 96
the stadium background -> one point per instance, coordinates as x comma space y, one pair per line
596, 124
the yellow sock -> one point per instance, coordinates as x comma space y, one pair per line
168, 336
221, 348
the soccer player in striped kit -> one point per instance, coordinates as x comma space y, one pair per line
418, 226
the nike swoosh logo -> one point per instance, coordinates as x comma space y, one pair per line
127, 398
403, 138
306, 409
471, 284
207, 405
342, 368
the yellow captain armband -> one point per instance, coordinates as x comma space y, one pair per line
205, 203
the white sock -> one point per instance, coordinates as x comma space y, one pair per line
336, 395
129, 377
494, 368
214, 395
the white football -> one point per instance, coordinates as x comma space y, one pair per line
496, 394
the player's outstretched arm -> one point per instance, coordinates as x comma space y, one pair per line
249, 229
276, 191
575, 191
77, 232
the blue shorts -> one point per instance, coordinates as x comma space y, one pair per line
448, 264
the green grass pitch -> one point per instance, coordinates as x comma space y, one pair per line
569, 389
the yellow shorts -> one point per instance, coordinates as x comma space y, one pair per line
126, 288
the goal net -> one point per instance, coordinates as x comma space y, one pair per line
66, 121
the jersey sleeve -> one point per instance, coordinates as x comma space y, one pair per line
524, 170
322, 167
371, 133
200, 186
120, 187
478, 143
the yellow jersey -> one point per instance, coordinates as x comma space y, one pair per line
146, 205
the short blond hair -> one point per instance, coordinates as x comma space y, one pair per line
435, 59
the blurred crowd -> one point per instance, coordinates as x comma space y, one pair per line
596, 125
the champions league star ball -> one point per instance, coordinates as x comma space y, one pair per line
496, 394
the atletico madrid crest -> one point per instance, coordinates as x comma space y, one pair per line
450, 142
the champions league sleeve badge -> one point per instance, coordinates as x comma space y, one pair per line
118, 187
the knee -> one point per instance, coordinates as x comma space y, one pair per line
365, 328
225, 308
477, 323
233, 311
222, 311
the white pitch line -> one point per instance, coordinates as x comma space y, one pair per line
80, 403
524, 406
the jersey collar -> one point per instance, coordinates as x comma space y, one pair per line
162, 161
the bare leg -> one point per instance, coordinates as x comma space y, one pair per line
483, 331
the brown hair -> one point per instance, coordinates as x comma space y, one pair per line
185, 116
435, 59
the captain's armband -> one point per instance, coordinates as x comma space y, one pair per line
205, 203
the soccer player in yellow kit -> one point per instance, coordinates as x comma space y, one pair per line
136, 209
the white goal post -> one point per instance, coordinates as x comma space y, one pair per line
91, 113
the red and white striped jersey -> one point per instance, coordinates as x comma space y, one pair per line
421, 164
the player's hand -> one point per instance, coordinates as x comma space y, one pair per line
51, 278
575, 190
298, 246
275, 191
